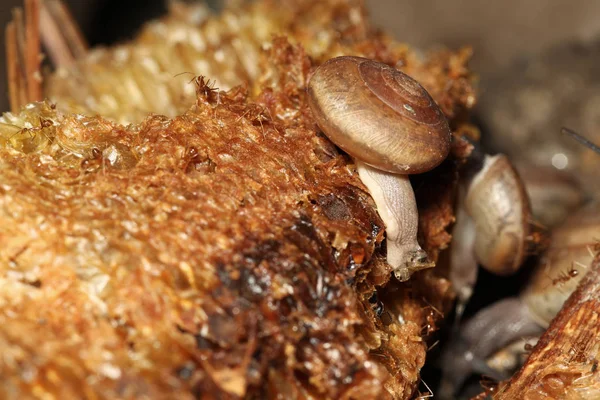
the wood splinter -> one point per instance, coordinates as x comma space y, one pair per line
23, 56
60, 34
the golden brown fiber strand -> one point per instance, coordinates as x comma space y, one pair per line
70, 29
32, 50
54, 42
564, 363
19, 59
61, 36
12, 67
19, 35
23, 56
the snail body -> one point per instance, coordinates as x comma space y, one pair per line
391, 127
399, 211
562, 266
463, 264
481, 337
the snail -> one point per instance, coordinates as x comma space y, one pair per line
493, 223
555, 277
391, 127
563, 265
497, 202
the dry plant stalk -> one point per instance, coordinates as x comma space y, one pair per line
61, 36
23, 56
128, 81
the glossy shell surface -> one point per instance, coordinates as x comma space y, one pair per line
379, 115
497, 202
571, 249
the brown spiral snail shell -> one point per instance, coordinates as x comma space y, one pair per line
379, 115
391, 126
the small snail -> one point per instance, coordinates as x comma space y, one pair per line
497, 202
556, 276
392, 127
564, 264
493, 224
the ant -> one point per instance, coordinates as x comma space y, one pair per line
565, 276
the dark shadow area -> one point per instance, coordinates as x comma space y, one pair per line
116, 20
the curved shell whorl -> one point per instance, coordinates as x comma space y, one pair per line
379, 115
571, 249
400, 92
497, 202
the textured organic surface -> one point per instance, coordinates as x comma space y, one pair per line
183, 255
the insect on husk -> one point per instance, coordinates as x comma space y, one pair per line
565, 276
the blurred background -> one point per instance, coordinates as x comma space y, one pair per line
500, 31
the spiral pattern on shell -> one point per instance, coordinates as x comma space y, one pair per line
379, 115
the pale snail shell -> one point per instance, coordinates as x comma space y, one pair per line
497, 202
571, 249
379, 115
